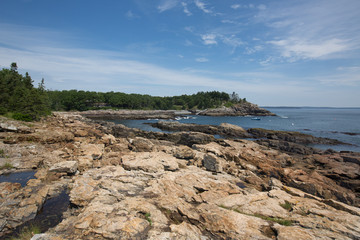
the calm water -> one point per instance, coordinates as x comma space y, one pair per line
18, 177
333, 123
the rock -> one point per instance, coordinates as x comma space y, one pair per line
183, 152
93, 151
129, 114
288, 136
12, 126
150, 162
7, 188
224, 129
275, 183
288, 146
45, 236
212, 163
140, 144
108, 139
228, 129
69, 167
192, 138
156, 187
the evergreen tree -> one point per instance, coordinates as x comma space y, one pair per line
19, 97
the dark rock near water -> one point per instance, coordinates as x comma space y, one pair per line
295, 137
129, 114
224, 129
289, 147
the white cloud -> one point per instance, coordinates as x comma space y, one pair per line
201, 5
202, 59
297, 48
233, 41
251, 50
186, 10
167, 5
209, 39
235, 6
323, 30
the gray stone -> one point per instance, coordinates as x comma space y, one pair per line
69, 167
211, 163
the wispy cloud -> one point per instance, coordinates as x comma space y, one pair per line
209, 39
306, 30
235, 6
202, 59
186, 10
167, 4
295, 49
202, 6
130, 15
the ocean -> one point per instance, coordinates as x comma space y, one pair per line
342, 124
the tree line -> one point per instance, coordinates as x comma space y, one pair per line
19, 97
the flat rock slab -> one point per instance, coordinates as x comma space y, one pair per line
69, 167
150, 162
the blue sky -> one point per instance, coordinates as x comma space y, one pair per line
273, 52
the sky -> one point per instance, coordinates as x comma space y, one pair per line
271, 52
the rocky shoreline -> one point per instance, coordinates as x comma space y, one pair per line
126, 183
243, 109
236, 110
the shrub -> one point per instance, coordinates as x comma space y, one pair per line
22, 117
286, 205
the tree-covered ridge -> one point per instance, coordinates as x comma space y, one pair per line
85, 100
19, 98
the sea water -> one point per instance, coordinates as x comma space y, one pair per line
342, 124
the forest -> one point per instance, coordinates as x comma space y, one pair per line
21, 100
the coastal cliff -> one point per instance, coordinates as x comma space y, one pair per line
126, 183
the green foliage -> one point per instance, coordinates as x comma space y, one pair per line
85, 100
27, 233
280, 221
18, 96
6, 165
147, 217
229, 104
2, 153
22, 117
286, 205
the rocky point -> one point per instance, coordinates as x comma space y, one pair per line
129, 184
